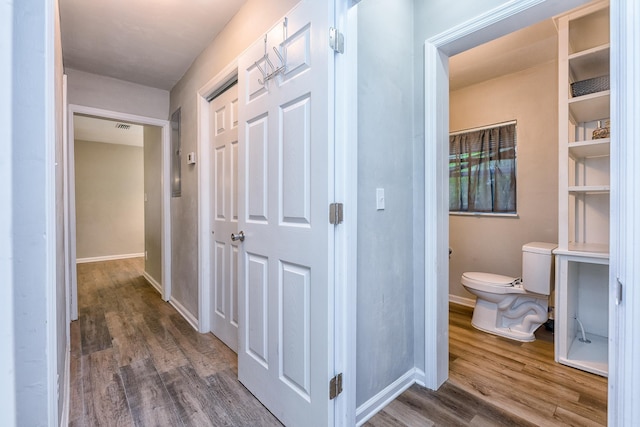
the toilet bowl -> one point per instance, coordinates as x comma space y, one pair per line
512, 307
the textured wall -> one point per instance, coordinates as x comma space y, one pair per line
7, 371
109, 199
249, 24
153, 201
38, 278
385, 237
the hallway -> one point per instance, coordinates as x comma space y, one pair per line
136, 361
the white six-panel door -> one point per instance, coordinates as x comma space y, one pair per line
223, 125
285, 355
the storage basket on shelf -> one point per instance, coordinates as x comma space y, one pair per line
585, 87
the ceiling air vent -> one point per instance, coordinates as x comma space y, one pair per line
123, 126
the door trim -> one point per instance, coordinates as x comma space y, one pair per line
437, 50
166, 193
624, 340
204, 192
346, 191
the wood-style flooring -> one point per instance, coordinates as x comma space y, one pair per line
136, 361
494, 381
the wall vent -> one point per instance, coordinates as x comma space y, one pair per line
123, 126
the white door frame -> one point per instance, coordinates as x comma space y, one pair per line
624, 375
166, 194
346, 191
204, 192
437, 50
624, 313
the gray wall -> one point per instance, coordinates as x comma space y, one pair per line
109, 199
91, 90
390, 306
249, 24
38, 274
385, 312
7, 374
493, 244
153, 201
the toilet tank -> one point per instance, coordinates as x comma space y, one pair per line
537, 267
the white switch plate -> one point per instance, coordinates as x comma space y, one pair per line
379, 199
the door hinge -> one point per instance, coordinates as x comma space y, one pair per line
335, 386
336, 40
335, 213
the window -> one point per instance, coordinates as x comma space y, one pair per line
482, 170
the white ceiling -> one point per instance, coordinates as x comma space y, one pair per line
153, 42
514, 52
87, 128
150, 42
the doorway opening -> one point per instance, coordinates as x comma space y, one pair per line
438, 51
142, 221
507, 83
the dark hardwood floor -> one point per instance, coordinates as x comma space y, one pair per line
494, 381
136, 361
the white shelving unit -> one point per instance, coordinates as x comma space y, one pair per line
582, 257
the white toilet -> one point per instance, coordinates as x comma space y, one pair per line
512, 307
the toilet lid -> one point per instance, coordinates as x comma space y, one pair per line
489, 278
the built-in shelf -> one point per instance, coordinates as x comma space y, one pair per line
591, 357
590, 148
582, 267
589, 63
589, 189
586, 108
589, 30
588, 250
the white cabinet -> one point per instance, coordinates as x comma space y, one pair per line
582, 257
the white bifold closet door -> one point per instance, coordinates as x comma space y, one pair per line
223, 125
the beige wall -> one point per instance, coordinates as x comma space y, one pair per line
153, 201
92, 90
493, 244
109, 199
249, 24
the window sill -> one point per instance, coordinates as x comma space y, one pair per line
485, 214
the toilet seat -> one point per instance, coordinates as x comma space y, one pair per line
492, 283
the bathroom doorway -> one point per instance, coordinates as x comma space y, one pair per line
512, 79
509, 80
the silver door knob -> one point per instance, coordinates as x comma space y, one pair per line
239, 236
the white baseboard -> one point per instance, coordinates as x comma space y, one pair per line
188, 316
64, 420
386, 396
462, 300
108, 258
153, 282
421, 377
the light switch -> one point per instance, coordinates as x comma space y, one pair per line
379, 199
